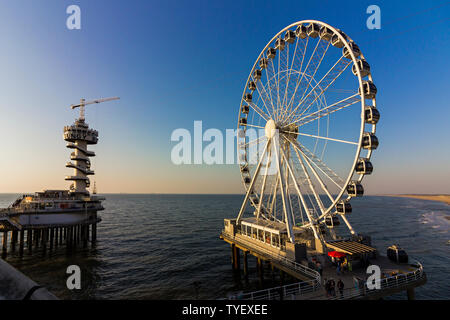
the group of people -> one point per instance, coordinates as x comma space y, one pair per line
342, 265
330, 287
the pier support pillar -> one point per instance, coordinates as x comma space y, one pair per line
235, 257
21, 241
94, 233
56, 237
52, 234
245, 264
44, 240
85, 236
5, 244
410, 294
30, 240
260, 268
13, 240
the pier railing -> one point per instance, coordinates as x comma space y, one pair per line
309, 289
303, 287
384, 284
277, 258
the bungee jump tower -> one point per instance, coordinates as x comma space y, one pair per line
53, 217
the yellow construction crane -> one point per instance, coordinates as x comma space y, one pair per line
84, 103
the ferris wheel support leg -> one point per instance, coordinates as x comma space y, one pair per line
258, 212
250, 188
308, 214
352, 231
287, 214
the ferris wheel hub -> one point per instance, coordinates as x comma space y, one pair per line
270, 129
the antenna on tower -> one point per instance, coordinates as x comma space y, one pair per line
83, 103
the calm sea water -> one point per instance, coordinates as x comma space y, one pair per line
168, 247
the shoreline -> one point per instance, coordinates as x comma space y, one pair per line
432, 197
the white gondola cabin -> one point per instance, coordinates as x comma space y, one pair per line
354, 48
243, 121
336, 40
300, 32
370, 90
369, 141
332, 221
248, 97
325, 33
271, 53
247, 180
364, 68
344, 207
371, 115
245, 109
279, 44
363, 166
313, 30
263, 63
252, 86
257, 74
355, 189
289, 36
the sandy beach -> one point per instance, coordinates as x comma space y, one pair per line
433, 197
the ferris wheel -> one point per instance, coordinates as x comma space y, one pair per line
306, 128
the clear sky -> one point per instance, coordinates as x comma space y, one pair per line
173, 62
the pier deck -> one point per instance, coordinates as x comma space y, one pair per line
395, 277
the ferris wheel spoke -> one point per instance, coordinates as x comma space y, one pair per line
258, 85
320, 137
259, 111
308, 179
317, 61
254, 126
317, 176
290, 70
327, 80
344, 103
311, 69
300, 78
319, 164
257, 140
269, 86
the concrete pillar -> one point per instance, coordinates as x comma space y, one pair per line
5, 244
21, 241
410, 293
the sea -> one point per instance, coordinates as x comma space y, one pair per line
162, 246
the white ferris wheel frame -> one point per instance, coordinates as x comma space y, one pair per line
354, 62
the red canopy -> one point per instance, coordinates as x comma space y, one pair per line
336, 254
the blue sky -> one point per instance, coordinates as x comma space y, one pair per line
173, 62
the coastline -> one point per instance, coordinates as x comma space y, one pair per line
432, 197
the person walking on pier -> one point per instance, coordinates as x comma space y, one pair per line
340, 286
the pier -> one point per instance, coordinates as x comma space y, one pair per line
48, 237
299, 261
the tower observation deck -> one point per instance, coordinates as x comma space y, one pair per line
78, 137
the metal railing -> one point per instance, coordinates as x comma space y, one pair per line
281, 292
392, 282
